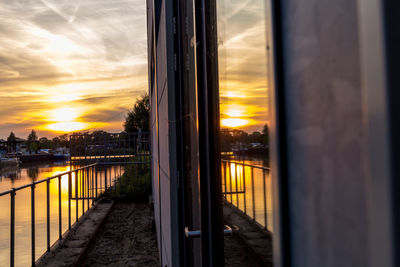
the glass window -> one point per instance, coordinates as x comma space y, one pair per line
244, 78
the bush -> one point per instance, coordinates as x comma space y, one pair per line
134, 184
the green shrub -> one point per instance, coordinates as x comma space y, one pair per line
134, 184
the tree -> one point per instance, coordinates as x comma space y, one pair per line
45, 143
11, 142
265, 134
139, 116
256, 137
32, 141
64, 140
56, 142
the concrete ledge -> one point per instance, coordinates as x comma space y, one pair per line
254, 237
70, 250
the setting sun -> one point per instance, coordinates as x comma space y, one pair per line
64, 114
65, 120
67, 126
234, 122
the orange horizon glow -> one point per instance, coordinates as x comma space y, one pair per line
234, 122
66, 69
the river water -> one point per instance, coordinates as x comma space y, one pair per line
251, 184
15, 177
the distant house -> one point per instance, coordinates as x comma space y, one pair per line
3, 147
21, 145
16, 146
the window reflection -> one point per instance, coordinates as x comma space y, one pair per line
243, 79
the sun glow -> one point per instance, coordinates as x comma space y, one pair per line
64, 114
67, 126
234, 122
65, 120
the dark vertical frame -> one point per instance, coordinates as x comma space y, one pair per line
208, 106
183, 242
278, 143
391, 22
378, 40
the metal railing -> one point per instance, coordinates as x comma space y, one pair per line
108, 147
239, 186
87, 187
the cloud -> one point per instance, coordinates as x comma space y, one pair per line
243, 62
70, 53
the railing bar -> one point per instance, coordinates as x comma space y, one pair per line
244, 189
230, 193
265, 201
12, 227
105, 179
230, 180
48, 213
76, 196
69, 199
225, 176
83, 190
88, 187
44, 180
252, 193
100, 180
59, 209
249, 165
6, 192
236, 186
33, 224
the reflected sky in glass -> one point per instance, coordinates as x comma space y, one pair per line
242, 64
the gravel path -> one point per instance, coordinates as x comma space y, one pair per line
126, 238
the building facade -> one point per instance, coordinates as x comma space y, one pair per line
332, 118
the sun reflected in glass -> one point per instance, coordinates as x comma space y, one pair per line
234, 122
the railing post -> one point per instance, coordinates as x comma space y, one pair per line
265, 200
88, 187
244, 188
225, 164
236, 185
105, 178
69, 199
230, 181
12, 227
252, 193
48, 213
95, 177
59, 209
92, 194
76, 195
83, 190
33, 224
110, 182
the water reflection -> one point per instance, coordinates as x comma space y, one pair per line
33, 173
247, 186
16, 177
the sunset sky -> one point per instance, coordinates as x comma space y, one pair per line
243, 64
70, 64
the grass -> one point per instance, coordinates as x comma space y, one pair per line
134, 184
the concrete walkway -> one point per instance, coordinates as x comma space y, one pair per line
127, 238
256, 240
71, 249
